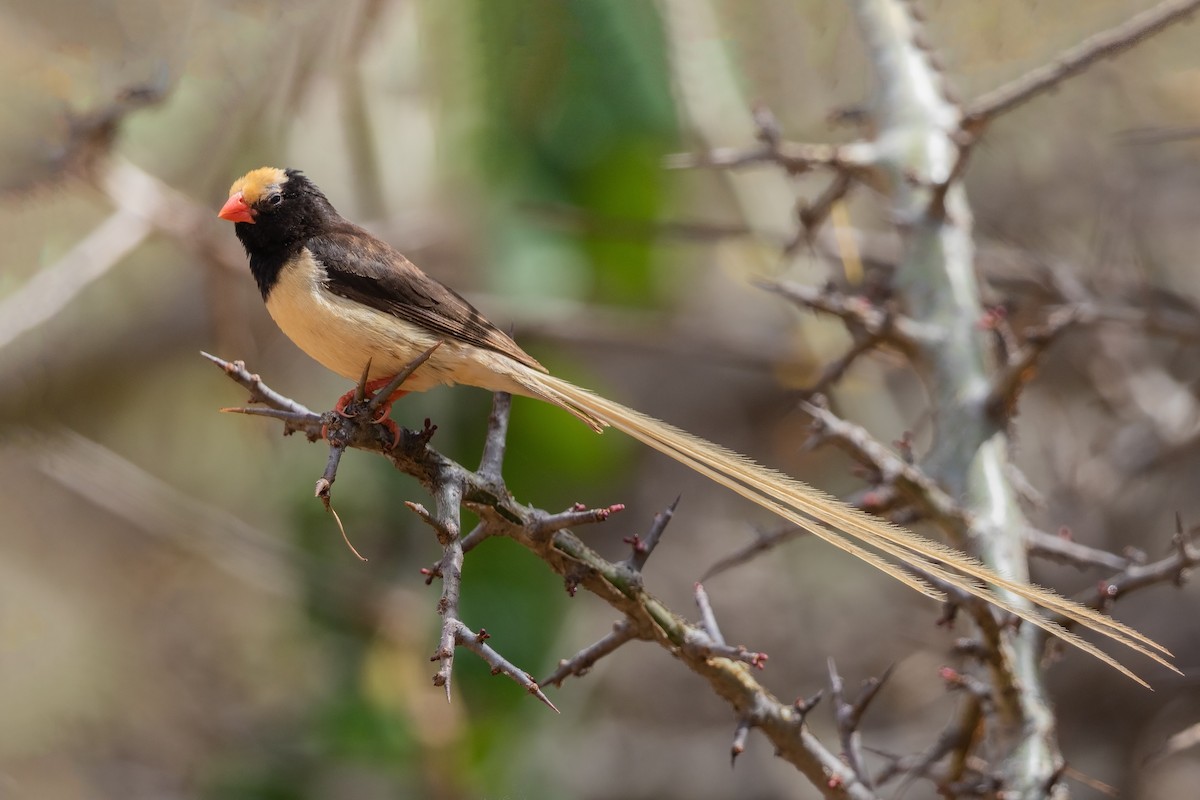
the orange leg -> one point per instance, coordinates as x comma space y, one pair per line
371, 388
385, 409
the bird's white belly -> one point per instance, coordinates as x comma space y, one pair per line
343, 335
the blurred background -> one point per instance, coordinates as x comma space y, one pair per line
178, 616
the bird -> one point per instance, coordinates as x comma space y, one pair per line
359, 307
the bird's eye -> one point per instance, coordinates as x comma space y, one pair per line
275, 199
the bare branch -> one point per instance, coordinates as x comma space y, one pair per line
836, 369
707, 640
475, 642
811, 215
848, 714
52, 288
794, 157
581, 663
1014, 375
492, 460
954, 741
1103, 45
856, 311
259, 391
469, 543
708, 620
643, 547
762, 543
547, 524
146, 502
724, 668
385, 394
740, 734
1172, 569
1064, 549
893, 470
447, 498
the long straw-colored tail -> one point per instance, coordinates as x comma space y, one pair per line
914, 560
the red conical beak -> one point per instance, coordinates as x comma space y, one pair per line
236, 210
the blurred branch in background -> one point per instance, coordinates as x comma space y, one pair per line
920, 143
53, 288
114, 484
1110, 43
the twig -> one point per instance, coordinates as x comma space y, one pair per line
547, 524
581, 663
1022, 485
707, 639
848, 713
324, 492
52, 288
259, 391
762, 543
740, 734
794, 157
475, 642
1019, 369
1109, 43
1172, 569
1096, 785
383, 395
644, 547
708, 620
1065, 550
447, 499
86, 155
893, 470
964, 681
811, 215
469, 542
491, 462
1177, 742
805, 705
782, 724
358, 431
147, 503
856, 311
955, 741
836, 369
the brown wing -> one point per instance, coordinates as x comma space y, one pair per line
366, 270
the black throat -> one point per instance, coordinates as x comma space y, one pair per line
280, 232
267, 262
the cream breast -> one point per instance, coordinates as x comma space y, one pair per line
343, 335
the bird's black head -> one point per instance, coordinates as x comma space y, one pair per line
275, 212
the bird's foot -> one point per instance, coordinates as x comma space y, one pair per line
349, 406
393, 430
369, 390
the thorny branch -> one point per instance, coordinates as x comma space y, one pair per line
1103, 45
701, 647
848, 714
1171, 569
892, 470
1022, 360
582, 662
922, 141
793, 157
955, 743
726, 668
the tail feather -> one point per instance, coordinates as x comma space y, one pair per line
845, 527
